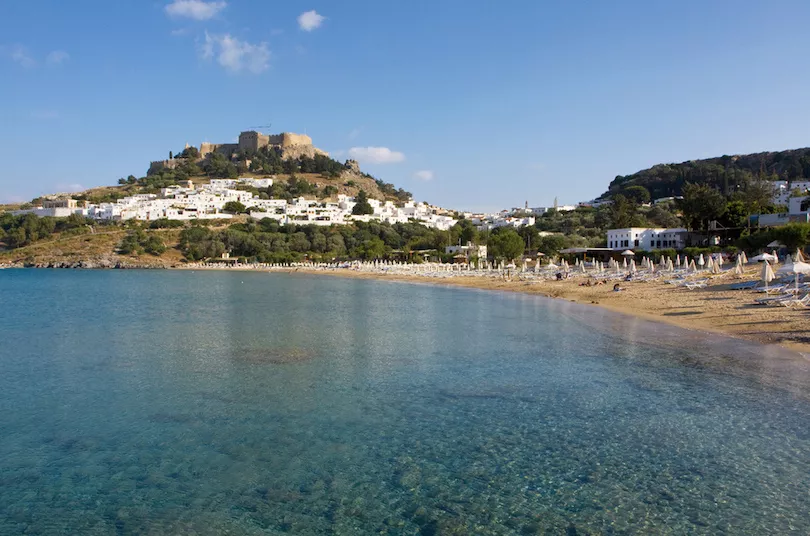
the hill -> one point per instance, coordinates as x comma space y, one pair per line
725, 173
293, 175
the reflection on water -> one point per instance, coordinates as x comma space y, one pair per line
163, 402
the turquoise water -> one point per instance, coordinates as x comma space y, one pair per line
155, 402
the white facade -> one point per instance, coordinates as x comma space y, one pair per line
646, 238
470, 250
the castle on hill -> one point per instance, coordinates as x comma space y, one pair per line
289, 144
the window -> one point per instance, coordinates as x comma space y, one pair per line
635, 242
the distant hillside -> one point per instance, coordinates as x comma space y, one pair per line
725, 173
320, 177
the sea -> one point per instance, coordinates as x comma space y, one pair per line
246, 403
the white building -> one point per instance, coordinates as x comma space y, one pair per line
470, 250
646, 238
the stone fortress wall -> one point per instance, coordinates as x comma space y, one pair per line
291, 146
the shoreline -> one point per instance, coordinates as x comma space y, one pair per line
712, 310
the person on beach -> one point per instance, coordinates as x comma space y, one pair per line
617, 288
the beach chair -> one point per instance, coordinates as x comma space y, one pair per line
692, 285
796, 302
774, 300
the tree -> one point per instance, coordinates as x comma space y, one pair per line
793, 235
637, 194
373, 248
700, 204
505, 244
234, 207
623, 213
551, 244
362, 206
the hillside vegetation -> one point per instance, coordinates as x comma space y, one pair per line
726, 174
320, 177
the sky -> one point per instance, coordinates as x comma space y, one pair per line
474, 105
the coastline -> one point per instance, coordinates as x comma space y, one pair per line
714, 309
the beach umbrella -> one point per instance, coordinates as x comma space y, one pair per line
745, 258
652, 268
624, 263
795, 268
715, 268
582, 267
767, 273
709, 262
738, 267
767, 257
632, 266
677, 261
552, 265
775, 257
799, 257
720, 260
628, 253
701, 261
617, 268
692, 266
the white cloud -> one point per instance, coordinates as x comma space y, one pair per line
179, 32
19, 54
309, 20
424, 175
235, 55
56, 57
194, 9
376, 155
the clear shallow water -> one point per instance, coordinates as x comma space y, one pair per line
212, 403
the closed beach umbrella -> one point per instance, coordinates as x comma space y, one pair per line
709, 263
701, 261
670, 266
738, 267
692, 266
799, 256
775, 257
745, 258
624, 262
715, 267
795, 268
767, 273
677, 261
767, 257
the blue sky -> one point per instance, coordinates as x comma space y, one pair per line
477, 105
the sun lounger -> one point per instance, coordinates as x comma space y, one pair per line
744, 286
774, 300
793, 301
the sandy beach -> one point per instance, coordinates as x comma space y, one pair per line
713, 309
